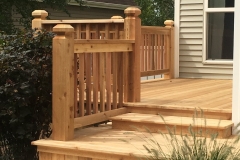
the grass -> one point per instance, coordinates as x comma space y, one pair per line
196, 145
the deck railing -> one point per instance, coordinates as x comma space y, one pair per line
96, 66
156, 52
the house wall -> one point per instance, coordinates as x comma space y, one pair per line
79, 13
191, 44
85, 13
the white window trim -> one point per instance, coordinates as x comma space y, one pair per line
211, 10
176, 37
236, 70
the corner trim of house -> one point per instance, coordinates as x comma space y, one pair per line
236, 68
176, 41
101, 5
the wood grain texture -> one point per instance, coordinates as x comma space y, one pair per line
207, 94
63, 83
45, 156
132, 28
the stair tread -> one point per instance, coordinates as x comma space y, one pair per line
173, 120
175, 107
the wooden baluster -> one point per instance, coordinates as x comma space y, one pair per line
119, 66
108, 72
81, 74
115, 74
38, 15
81, 85
95, 74
63, 83
142, 53
145, 52
76, 88
155, 59
162, 51
159, 51
132, 28
88, 72
169, 24
102, 78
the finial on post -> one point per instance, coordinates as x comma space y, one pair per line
116, 17
42, 14
132, 11
63, 28
38, 15
169, 23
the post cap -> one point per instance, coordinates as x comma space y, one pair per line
169, 23
40, 14
132, 11
63, 28
116, 17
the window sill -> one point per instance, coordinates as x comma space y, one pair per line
218, 61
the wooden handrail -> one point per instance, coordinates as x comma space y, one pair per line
98, 46
83, 21
108, 41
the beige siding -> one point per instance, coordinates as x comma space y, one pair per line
191, 44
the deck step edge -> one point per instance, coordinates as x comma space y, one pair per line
173, 120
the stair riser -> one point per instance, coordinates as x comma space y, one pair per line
180, 113
154, 128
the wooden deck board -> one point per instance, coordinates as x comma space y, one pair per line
207, 94
173, 120
106, 143
103, 139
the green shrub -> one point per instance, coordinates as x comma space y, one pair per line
25, 92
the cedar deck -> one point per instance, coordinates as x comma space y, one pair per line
103, 142
104, 60
207, 94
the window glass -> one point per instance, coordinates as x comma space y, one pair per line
220, 32
220, 3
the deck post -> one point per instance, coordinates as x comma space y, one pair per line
63, 83
169, 24
38, 15
132, 30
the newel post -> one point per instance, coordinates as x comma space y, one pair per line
63, 83
170, 24
38, 15
132, 30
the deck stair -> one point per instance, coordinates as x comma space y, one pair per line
161, 119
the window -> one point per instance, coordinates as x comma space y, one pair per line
219, 29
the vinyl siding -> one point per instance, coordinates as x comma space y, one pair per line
85, 13
78, 13
191, 41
